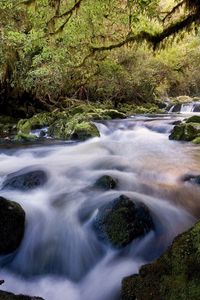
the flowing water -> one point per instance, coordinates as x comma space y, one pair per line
185, 108
60, 257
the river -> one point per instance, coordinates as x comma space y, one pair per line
60, 256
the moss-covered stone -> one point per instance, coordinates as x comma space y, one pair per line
196, 140
106, 182
84, 130
38, 121
185, 132
175, 275
25, 137
193, 119
121, 221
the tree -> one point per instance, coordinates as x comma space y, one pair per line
50, 48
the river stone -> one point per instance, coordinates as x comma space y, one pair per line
193, 119
23, 180
106, 182
122, 220
12, 225
10, 296
194, 179
185, 132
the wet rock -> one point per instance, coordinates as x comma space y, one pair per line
175, 275
178, 122
175, 108
11, 296
106, 182
194, 179
185, 132
25, 180
196, 108
12, 225
84, 131
122, 220
193, 119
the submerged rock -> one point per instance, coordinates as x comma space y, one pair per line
175, 275
122, 220
10, 296
12, 225
25, 180
106, 182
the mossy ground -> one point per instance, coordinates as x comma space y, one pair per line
175, 275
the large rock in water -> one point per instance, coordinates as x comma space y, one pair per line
122, 220
105, 182
185, 132
11, 296
175, 275
12, 225
25, 180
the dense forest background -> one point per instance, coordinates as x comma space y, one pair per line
112, 51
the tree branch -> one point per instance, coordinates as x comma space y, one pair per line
174, 9
153, 39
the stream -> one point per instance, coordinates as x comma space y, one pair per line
60, 257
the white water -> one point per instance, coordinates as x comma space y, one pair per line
60, 256
186, 108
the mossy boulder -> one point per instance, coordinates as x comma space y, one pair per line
77, 127
121, 221
38, 121
106, 182
84, 131
196, 141
193, 119
175, 275
25, 180
12, 225
185, 132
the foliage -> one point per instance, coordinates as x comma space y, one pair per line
51, 49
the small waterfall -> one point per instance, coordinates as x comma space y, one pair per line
192, 107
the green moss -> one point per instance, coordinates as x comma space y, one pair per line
120, 221
24, 126
84, 130
193, 119
175, 275
25, 137
196, 140
185, 132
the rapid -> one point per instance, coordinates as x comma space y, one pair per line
60, 257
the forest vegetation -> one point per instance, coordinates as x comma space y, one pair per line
110, 51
